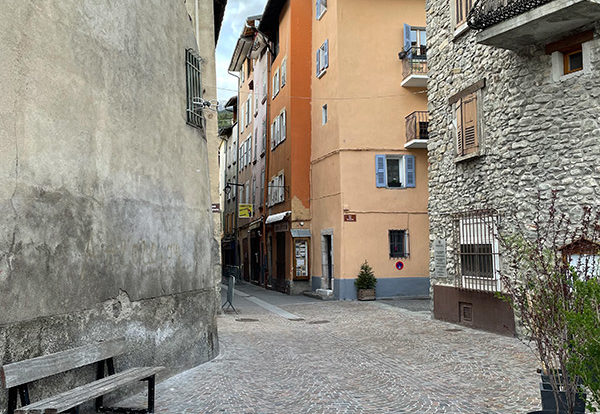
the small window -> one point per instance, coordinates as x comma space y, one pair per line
264, 86
324, 114
573, 61
283, 72
395, 171
193, 89
462, 9
478, 249
321, 8
322, 59
398, 243
264, 137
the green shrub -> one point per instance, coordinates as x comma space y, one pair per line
366, 278
583, 325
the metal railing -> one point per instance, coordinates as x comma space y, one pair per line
476, 238
486, 13
415, 62
417, 126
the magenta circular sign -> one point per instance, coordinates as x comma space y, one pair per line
399, 265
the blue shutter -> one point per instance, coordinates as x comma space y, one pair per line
318, 61
380, 180
326, 63
407, 43
409, 163
318, 8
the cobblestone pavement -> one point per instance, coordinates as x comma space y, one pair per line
353, 357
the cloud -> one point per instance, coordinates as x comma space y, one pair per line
233, 23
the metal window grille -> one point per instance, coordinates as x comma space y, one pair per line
398, 243
476, 236
193, 77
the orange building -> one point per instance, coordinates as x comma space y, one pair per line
368, 153
287, 24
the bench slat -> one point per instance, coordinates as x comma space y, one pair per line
88, 392
29, 370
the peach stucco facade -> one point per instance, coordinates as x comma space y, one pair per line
366, 110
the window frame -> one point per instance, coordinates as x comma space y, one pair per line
477, 228
320, 8
405, 161
322, 59
405, 252
283, 73
324, 115
193, 68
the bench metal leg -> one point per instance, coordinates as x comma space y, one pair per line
24, 394
12, 400
151, 385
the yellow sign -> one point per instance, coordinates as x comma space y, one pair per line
245, 211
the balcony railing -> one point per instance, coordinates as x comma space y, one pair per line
414, 67
516, 24
417, 130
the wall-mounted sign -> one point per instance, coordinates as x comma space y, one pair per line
216, 208
399, 265
439, 258
279, 227
301, 258
350, 217
245, 211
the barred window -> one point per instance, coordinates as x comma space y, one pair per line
478, 250
193, 89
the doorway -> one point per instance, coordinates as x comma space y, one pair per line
280, 261
327, 259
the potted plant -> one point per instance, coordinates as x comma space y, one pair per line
540, 282
365, 283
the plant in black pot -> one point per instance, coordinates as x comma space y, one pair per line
365, 283
539, 276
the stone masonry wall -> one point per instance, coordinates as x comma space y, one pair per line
106, 227
538, 134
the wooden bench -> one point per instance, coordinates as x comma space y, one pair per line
16, 376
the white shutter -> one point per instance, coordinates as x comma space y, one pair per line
326, 53
281, 188
283, 126
272, 135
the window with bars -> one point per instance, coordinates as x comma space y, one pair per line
398, 243
477, 248
193, 76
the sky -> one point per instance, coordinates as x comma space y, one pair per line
233, 23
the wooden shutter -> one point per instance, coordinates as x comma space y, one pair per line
460, 14
460, 147
380, 171
469, 123
409, 165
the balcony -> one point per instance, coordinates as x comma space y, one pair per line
414, 67
515, 24
417, 130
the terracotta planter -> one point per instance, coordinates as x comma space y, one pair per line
365, 294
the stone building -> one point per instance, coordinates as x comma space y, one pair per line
513, 111
107, 227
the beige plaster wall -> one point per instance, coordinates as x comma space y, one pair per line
367, 107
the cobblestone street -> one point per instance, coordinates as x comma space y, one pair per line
351, 357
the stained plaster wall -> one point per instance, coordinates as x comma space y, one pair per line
106, 228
